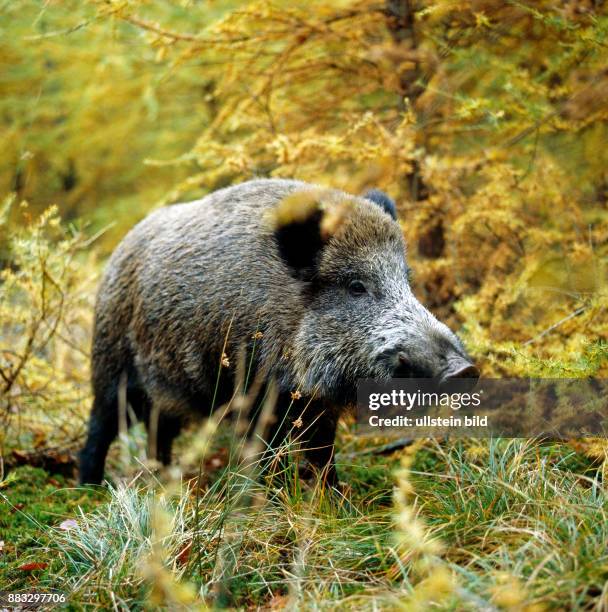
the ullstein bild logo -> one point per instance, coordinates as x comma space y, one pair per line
494, 407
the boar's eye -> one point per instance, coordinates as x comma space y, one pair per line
356, 287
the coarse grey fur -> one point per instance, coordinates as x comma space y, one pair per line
191, 277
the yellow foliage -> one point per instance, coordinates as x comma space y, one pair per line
46, 316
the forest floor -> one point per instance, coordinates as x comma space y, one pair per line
522, 526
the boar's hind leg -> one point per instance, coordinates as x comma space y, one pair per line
104, 419
103, 428
164, 416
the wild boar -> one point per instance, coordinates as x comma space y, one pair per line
315, 278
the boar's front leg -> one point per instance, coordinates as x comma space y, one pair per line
321, 421
312, 426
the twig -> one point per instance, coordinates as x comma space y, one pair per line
385, 449
542, 334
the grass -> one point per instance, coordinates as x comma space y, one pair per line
522, 526
516, 508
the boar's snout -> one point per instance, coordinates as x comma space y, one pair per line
461, 377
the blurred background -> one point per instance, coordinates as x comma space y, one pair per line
485, 120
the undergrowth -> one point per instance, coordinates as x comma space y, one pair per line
492, 524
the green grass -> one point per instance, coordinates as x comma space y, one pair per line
33, 504
523, 527
518, 508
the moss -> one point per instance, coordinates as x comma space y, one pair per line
32, 503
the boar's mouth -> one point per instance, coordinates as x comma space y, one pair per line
405, 367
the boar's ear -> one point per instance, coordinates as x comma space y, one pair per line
302, 227
380, 198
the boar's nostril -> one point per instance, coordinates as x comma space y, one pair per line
460, 379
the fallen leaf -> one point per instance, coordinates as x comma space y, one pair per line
279, 602
39, 439
184, 554
30, 567
53, 461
